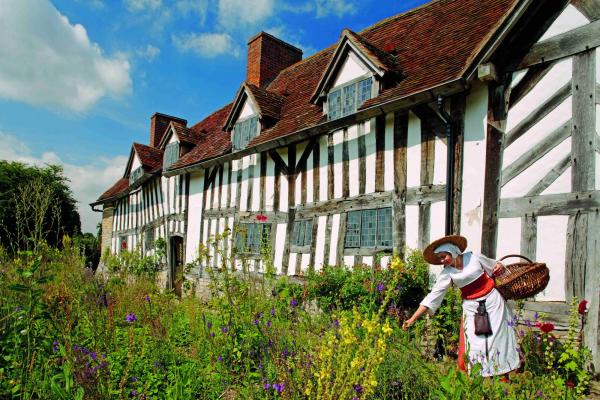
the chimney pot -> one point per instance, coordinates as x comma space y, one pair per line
158, 125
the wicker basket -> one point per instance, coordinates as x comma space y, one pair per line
522, 279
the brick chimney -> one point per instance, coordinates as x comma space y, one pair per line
267, 56
158, 125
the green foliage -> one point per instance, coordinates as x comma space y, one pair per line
36, 204
365, 287
66, 334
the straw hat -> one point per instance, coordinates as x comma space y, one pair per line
429, 255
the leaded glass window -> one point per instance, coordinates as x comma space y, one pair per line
244, 131
136, 174
252, 238
171, 155
369, 228
346, 100
353, 229
302, 232
149, 239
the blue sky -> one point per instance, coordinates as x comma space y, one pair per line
79, 79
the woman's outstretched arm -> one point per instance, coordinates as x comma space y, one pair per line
420, 311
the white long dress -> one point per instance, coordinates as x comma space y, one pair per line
502, 355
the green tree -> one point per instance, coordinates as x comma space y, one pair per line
36, 204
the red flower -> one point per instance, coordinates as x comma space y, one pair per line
538, 324
582, 307
570, 384
261, 218
123, 245
547, 327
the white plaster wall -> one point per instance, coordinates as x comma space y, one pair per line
323, 163
310, 185
244, 185
236, 165
135, 163
439, 166
474, 165
304, 262
292, 263
215, 200
269, 184
320, 242
438, 220
551, 249
388, 160
348, 261
298, 195
256, 182
385, 260
283, 183
353, 170
173, 138
509, 237
279, 245
351, 69
194, 216
224, 191
368, 260
370, 151
338, 138
570, 18
248, 109
412, 226
413, 151
335, 230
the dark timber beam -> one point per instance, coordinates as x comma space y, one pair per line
528, 82
564, 45
589, 8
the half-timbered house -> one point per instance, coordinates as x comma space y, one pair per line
475, 117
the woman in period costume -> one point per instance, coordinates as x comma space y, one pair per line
474, 274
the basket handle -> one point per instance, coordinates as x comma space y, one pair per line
516, 255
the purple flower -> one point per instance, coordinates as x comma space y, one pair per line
380, 287
209, 324
336, 323
255, 322
147, 298
220, 358
224, 329
272, 311
268, 324
358, 388
55, 346
267, 386
130, 318
294, 302
536, 316
93, 355
212, 334
278, 387
133, 393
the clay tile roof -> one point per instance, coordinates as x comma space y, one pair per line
268, 103
432, 44
116, 189
381, 58
213, 141
185, 134
150, 157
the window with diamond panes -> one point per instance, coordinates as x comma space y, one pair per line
252, 237
369, 228
243, 132
171, 154
346, 100
302, 233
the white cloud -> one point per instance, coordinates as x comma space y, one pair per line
234, 14
338, 8
142, 5
87, 182
46, 60
149, 52
208, 45
199, 7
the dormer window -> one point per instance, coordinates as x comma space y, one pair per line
136, 174
244, 131
345, 100
171, 154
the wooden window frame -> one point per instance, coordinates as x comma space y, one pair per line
356, 96
247, 251
368, 249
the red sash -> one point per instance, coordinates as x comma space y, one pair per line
479, 287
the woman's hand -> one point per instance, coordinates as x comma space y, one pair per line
408, 323
499, 269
